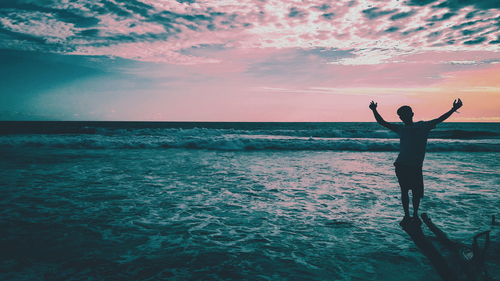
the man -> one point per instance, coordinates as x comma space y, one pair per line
412, 142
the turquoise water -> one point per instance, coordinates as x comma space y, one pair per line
194, 213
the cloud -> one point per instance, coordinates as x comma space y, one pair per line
150, 30
365, 91
477, 40
297, 13
458, 4
37, 25
402, 15
144, 51
296, 64
465, 62
372, 57
392, 29
375, 12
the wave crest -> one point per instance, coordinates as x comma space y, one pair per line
315, 130
236, 143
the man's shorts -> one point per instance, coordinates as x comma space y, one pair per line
410, 177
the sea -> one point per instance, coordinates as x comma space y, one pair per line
234, 201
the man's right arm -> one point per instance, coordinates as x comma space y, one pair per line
456, 105
380, 120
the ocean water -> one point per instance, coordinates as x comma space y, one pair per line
232, 201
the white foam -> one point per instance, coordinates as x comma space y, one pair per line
219, 141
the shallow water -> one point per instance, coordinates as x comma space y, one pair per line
188, 214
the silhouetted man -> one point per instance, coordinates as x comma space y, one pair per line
412, 143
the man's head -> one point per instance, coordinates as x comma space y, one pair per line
405, 114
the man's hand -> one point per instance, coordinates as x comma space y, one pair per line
380, 120
457, 104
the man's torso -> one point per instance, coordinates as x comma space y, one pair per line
413, 141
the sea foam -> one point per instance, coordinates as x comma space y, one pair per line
236, 142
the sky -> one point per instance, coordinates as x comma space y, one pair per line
248, 60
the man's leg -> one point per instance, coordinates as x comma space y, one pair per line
415, 199
405, 200
402, 174
417, 192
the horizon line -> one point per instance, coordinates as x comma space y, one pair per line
194, 121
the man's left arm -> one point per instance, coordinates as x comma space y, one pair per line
456, 105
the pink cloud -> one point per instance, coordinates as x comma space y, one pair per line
375, 32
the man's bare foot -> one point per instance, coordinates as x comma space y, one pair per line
415, 219
405, 221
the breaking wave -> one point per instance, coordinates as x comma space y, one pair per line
302, 131
234, 142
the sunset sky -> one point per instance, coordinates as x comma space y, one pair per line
247, 60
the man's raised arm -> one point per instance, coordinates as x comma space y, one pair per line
380, 120
456, 105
